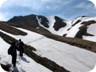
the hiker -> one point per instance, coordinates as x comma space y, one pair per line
20, 46
12, 51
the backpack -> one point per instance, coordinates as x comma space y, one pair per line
19, 45
9, 50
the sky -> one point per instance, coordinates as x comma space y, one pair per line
67, 9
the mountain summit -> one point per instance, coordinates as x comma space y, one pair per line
82, 27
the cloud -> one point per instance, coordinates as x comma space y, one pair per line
45, 7
63, 8
94, 2
1, 2
37, 4
85, 5
2, 18
1, 15
34, 4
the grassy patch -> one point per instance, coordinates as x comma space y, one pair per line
88, 22
8, 28
83, 29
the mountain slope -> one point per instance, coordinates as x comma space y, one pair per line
28, 50
82, 27
26, 63
70, 57
58, 50
55, 24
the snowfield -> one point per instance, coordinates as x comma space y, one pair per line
25, 64
91, 28
69, 30
70, 57
61, 31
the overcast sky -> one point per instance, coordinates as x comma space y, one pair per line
67, 9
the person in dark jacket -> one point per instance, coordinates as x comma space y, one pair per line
20, 46
12, 51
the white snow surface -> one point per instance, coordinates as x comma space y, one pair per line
1, 70
91, 30
79, 18
73, 30
62, 30
25, 64
51, 20
70, 57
